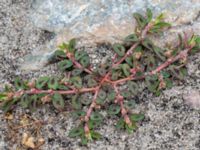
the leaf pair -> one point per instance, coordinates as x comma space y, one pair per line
50, 82
83, 58
121, 124
79, 132
70, 47
142, 21
147, 43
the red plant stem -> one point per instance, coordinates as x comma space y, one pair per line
120, 100
37, 91
182, 54
130, 51
89, 111
78, 65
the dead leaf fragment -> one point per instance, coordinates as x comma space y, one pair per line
28, 141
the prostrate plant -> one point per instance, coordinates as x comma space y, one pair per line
111, 85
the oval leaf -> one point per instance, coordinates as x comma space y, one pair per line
119, 49
65, 64
58, 101
113, 109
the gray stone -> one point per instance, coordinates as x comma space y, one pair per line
101, 21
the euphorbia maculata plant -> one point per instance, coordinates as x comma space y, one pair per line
113, 84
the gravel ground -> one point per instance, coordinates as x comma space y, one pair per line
169, 123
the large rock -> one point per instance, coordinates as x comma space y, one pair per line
105, 20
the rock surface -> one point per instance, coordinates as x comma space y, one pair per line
102, 21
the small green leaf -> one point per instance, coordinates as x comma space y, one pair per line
137, 117
150, 62
160, 17
76, 81
159, 53
76, 72
62, 87
71, 45
53, 83
85, 61
95, 135
148, 44
119, 49
111, 96
129, 61
76, 104
126, 94
113, 109
85, 101
95, 116
159, 26
78, 114
102, 71
59, 54
131, 38
165, 74
76, 132
130, 128
126, 69
42, 82
63, 46
169, 83
100, 101
58, 101
149, 15
93, 124
102, 94
65, 64
91, 83
130, 104
152, 83
115, 75
120, 124
3, 96
133, 87
178, 73
80, 54
84, 140
141, 21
